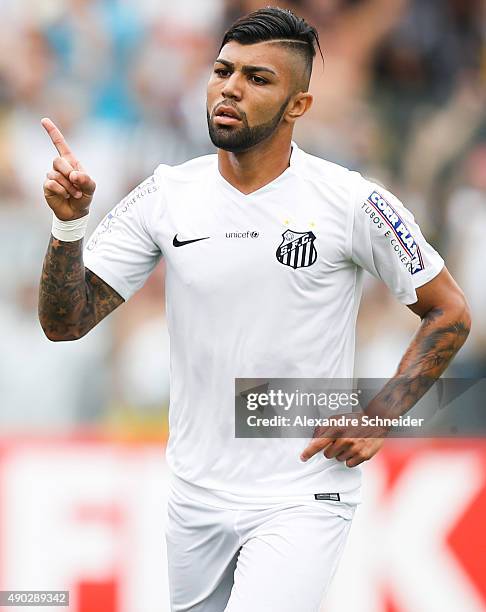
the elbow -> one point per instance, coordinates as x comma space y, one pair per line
454, 312
54, 335
462, 312
49, 332
459, 315
466, 317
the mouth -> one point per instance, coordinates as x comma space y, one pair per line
226, 115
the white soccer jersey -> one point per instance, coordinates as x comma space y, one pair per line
260, 285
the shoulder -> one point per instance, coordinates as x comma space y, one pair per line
344, 185
191, 171
319, 170
351, 184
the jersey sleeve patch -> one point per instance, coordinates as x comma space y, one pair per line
147, 187
386, 219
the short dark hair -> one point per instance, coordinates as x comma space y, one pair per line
273, 23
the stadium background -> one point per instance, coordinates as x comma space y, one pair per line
82, 477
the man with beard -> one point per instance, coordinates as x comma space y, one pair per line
265, 247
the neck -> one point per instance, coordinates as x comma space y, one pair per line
253, 169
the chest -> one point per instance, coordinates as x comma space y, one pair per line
215, 242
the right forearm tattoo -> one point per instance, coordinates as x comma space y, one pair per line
72, 300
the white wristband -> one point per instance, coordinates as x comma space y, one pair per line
69, 231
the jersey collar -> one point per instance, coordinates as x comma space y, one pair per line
269, 186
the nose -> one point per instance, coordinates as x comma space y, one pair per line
232, 87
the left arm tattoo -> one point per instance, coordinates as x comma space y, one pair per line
433, 347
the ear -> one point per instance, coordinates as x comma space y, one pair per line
298, 106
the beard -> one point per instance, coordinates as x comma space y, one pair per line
244, 137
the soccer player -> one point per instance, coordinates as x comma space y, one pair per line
265, 247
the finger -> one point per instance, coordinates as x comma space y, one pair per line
58, 140
54, 188
345, 454
357, 458
314, 446
83, 181
331, 432
354, 461
63, 166
338, 446
57, 176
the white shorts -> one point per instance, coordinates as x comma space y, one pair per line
277, 559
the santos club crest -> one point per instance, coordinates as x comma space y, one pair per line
297, 249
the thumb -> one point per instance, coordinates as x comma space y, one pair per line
82, 181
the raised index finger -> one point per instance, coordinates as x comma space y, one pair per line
58, 140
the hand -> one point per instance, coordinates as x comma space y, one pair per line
68, 189
337, 442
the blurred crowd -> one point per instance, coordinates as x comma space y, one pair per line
401, 96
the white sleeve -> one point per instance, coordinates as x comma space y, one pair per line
388, 243
122, 250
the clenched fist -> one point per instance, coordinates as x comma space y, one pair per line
68, 189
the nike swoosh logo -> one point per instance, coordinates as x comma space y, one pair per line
178, 243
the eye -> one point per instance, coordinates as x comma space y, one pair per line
258, 80
221, 72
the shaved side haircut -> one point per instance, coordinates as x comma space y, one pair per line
282, 27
